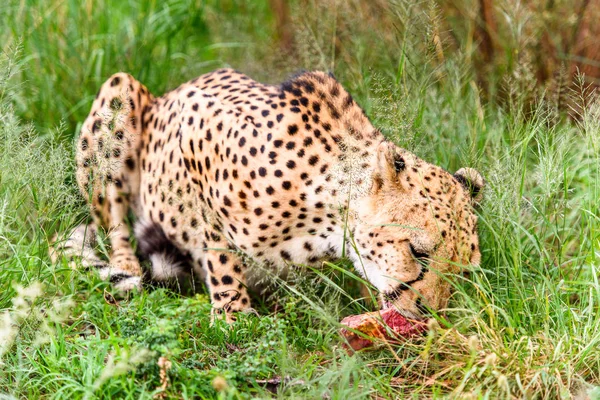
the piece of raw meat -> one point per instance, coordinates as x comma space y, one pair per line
370, 325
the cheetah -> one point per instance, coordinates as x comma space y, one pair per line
225, 173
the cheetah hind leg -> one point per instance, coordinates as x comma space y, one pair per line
108, 170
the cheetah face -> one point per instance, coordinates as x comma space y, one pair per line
416, 226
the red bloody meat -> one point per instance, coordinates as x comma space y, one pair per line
371, 325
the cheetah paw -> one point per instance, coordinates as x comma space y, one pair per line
126, 283
122, 281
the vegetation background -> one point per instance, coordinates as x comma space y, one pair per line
494, 84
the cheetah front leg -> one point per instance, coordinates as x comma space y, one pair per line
225, 277
108, 172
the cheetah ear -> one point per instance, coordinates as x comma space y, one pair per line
389, 164
472, 181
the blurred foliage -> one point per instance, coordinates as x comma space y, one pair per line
71, 46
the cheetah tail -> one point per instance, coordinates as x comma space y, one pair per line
168, 262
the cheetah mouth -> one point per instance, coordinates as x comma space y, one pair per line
405, 313
393, 295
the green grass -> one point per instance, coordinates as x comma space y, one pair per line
525, 324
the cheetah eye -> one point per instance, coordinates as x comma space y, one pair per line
422, 258
399, 164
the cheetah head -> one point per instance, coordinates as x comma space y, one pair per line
415, 227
